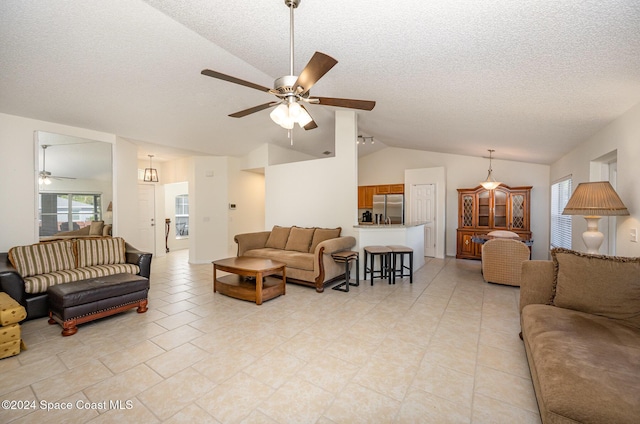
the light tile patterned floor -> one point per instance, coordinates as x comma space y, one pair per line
443, 350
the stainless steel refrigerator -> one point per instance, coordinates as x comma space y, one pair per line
389, 206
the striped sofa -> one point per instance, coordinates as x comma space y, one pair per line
26, 272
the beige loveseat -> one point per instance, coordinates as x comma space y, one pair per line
580, 320
305, 251
96, 229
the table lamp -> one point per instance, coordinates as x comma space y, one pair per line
594, 200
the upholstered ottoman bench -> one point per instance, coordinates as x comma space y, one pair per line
82, 301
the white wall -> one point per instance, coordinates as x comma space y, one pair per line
247, 192
321, 192
622, 135
388, 166
18, 175
125, 205
208, 210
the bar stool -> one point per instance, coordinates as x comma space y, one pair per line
398, 250
347, 257
385, 260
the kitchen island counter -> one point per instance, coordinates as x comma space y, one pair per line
410, 234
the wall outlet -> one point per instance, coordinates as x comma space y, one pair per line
232, 206
633, 234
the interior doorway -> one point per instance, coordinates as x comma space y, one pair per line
423, 209
146, 218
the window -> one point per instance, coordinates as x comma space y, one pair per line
560, 224
182, 216
67, 211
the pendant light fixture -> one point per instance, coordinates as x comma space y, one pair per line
490, 183
150, 173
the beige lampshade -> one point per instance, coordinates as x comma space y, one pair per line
595, 199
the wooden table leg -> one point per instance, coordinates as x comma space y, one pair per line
214, 279
284, 280
259, 288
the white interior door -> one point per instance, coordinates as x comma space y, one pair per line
423, 207
146, 218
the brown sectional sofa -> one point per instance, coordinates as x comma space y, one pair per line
26, 272
305, 251
580, 320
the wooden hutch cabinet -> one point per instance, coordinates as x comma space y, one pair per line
481, 211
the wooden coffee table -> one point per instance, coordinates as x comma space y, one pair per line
247, 280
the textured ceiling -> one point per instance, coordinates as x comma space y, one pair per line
530, 79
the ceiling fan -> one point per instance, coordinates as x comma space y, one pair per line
44, 176
292, 91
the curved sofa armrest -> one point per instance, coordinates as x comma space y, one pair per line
248, 241
11, 281
335, 245
536, 283
140, 258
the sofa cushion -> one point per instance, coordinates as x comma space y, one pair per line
104, 251
323, 234
278, 237
96, 228
40, 283
106, 230
299, 239
585, 367
603, 285
42, 258
291, 258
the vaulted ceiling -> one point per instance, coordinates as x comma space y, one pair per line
530, 78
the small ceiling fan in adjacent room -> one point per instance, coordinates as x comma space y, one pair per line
44, 176
293, 91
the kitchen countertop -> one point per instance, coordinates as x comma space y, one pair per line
389, 226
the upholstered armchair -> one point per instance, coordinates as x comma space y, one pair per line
502, 261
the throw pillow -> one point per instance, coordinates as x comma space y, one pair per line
42, 258
278, 237
322, 234
300, 239
103, 251
96, 228
601, 285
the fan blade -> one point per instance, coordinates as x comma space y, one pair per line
319, 65
228, 78
253, 110
348, 103
311, 125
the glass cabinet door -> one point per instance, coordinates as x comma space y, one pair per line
467, 210
517, 211
484, 208
499, 209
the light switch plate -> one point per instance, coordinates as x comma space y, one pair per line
633, 233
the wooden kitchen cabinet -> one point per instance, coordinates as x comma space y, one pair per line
366, 193
382, 189
481, 211
396, 188
365, 196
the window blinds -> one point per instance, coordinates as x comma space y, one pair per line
560, 224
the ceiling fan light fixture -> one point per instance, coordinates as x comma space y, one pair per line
490, 183
280, 114
304, 118
288, 115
